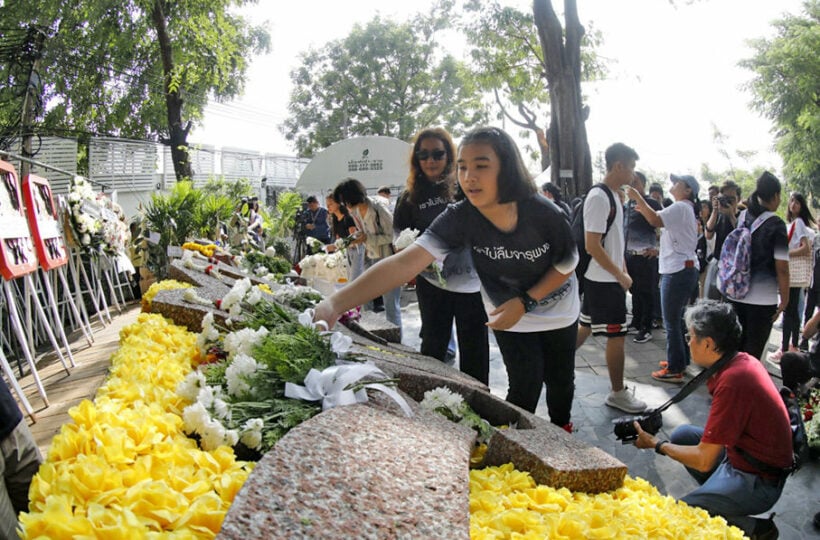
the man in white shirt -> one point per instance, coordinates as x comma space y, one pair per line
603, 312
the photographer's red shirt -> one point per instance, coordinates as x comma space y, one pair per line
747, 411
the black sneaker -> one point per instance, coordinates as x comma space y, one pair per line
765, 529
642, 337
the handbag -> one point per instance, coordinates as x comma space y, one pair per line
801, 267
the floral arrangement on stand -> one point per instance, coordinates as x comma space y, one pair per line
125, 468
115, 232
85, 219
507, 503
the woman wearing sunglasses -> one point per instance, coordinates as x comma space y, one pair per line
525, 257
430, 188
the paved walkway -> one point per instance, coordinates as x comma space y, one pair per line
592, 419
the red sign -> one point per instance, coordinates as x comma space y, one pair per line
17, 256
42, 221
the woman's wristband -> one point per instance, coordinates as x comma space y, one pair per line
658, 447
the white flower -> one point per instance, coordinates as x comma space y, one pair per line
231, 437
208, 394
270, 252
243, 341
86, 239
213, 435
254, 296
252, 433
238, 373
406, 238
195, 417
190, 296
236, 294
260, 270
221, 409
442, 397
209, 332
189, 388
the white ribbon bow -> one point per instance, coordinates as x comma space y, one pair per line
330, 386
306, 319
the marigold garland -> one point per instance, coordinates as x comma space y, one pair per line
507, 503
124, 468
208, 250
164, 285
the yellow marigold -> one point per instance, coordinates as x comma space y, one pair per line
506, 503
124, 468
164, 285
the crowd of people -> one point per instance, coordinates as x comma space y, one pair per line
494, 253
508, 259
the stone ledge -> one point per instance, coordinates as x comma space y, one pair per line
363, 471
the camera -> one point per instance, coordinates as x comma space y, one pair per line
723, 200
651, 422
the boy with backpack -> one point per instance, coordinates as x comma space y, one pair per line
603, 309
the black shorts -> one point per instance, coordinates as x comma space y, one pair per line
604, 308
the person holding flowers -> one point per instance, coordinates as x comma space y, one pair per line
19, 461
430, 188
525, 257
343, 228
375, 222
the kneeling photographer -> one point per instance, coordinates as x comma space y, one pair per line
741, 456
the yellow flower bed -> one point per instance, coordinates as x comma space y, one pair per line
506, 503
164, 285
124, 468
207, 250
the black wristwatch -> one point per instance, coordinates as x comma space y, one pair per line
658, 447
529, 302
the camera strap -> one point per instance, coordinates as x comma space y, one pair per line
696, 381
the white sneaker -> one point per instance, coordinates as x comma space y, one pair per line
625, 400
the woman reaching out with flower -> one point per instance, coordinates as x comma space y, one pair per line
429, 190
524, 255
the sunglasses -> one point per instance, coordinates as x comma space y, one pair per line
435, 155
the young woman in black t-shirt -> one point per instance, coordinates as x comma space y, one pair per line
429, 190
525, 257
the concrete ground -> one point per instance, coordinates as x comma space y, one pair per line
593, 420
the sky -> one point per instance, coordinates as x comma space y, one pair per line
673, 76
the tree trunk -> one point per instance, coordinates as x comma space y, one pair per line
177, 135
567, 137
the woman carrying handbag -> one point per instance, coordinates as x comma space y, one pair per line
801, 261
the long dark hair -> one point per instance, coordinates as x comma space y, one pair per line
514, 182
805, 212
417, 176
766, 189
350, 192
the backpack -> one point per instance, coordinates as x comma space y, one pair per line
579, 235
800, 443
735, 265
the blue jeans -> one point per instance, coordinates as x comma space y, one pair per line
726, 491
392, 299
676, 290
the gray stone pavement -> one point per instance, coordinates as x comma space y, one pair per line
593, 420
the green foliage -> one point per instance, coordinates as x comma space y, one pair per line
384, 78
508, 60
282, 223
175, 217
786, 89
274, 265
102, 71
292, 356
